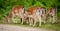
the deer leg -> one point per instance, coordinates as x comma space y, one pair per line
34, 21
54, 19
8, 20
27, 21
40, 21
44, 21
30, 21
22, 20
50, 19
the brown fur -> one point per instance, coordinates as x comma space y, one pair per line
15, 9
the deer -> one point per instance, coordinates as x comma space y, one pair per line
52, 14
16, 11
43, 14
35, 13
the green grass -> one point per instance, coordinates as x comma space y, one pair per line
51, 26
44, 26
55, 26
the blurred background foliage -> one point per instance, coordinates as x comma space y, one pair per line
6, 5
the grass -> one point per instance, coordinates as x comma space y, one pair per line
44, 26
51, 26
55, 26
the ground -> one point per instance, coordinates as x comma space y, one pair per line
5, 27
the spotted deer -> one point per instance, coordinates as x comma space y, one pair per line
35, 13
52, 13
43, 15
16, 11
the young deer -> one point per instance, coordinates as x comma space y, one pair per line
16, 11
53, 14
43, 9
35, 13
